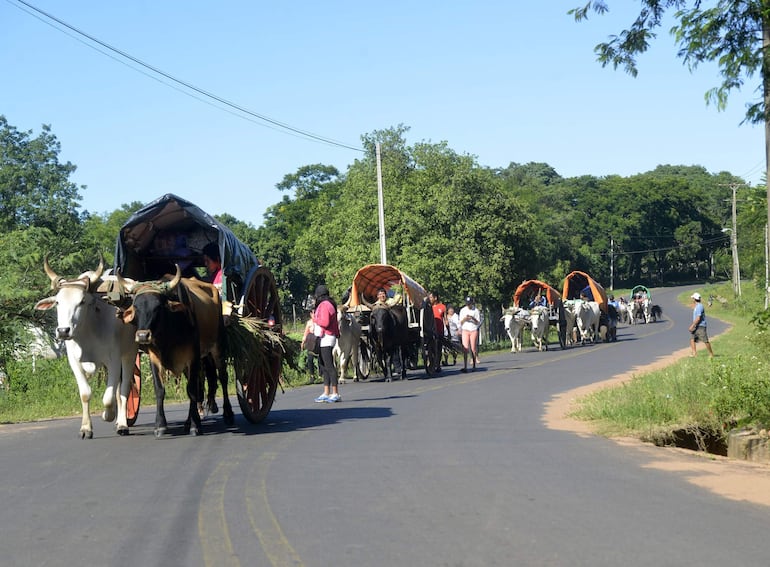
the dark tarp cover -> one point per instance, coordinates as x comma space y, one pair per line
528, 289
576, 281
170, 230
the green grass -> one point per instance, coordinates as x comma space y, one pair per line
702, 396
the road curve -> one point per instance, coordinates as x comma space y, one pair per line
455, 470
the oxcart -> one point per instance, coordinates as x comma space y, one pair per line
171, 231
581, 286
640, 305
403, 291
528, 291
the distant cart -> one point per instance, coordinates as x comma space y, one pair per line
171, 231
576, 282
528, 290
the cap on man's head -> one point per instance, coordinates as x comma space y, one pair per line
696, 296
469, 299
321, 290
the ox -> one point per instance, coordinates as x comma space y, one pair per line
587, 317
514, 321
177, 332
348, 347
94, 338
389, 334
539, 319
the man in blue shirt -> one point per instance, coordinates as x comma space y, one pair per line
698, 328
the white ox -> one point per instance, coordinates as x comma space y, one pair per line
94, 337
587, 317
647, 309
539, 318
348, 345
515, 320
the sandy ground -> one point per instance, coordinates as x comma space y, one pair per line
737, 480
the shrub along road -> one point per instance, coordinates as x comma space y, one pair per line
457, 469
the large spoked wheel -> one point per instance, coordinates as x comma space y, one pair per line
257, 387
135, 395
364, 362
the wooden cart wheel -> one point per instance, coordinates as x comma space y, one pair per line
364, 362
256, 389
135, 394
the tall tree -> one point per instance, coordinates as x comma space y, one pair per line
736, 35
38, 214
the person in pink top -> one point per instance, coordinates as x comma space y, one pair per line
213, 264
327, 329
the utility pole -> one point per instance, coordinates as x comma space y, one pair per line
734, 244
381, 207
734, 239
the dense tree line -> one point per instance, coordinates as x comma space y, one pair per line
453, 225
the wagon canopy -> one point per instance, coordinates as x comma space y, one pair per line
172, 230
528, 289
577, 281
370, 278
641, 289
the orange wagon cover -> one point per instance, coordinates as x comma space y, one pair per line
577, 281
374, 276
531, 287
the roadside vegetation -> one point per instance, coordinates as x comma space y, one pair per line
697, 399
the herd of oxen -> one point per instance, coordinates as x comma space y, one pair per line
579, 320
105, 319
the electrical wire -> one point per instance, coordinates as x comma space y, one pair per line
265, 120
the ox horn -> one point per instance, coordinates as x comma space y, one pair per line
363, 300
94, 275
123, 286
51, 274
177, 277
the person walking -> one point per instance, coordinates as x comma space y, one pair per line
455, 336
439, 317
698, 331
327, 330
470, 322
310, 363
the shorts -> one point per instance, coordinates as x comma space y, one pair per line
699, 335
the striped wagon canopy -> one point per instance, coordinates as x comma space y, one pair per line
374, 276
576, 281
528, 289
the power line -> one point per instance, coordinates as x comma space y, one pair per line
281, 126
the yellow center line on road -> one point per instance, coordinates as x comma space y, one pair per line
263, 521
214, 535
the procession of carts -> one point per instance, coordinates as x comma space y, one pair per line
577, 285
171, 231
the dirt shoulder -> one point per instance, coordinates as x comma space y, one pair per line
737, 480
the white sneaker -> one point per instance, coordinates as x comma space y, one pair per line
334, 398
322, 398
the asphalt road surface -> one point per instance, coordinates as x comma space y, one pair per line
454, 470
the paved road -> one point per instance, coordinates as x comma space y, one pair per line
456, 470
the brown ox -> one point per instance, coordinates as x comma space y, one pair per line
178, 323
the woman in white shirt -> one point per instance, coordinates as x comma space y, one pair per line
470, 322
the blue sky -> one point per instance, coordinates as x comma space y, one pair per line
503, 81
